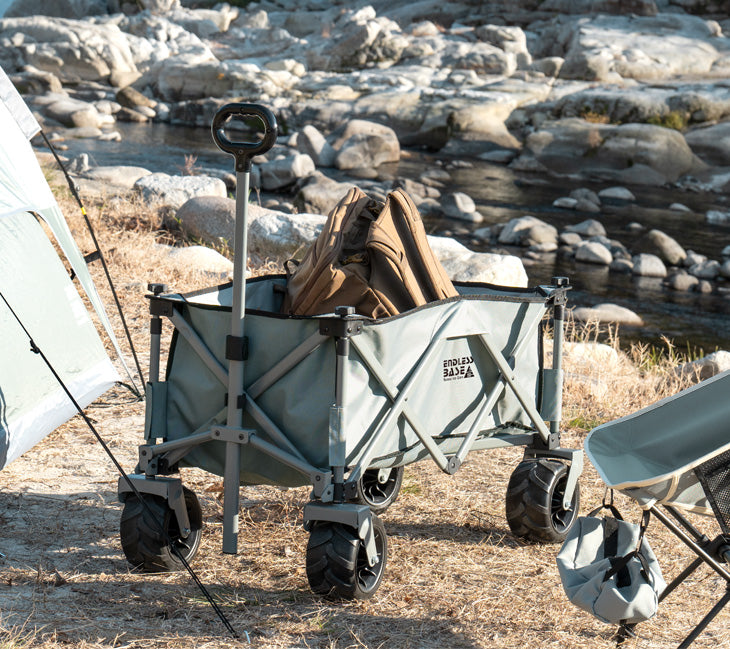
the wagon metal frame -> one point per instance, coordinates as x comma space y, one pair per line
397, 434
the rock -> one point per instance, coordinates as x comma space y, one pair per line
636, 153
210, 219
312, 143
681, 281
118, 175
460, 206
132, 98
704, 286
709, 269
164, 189
462, 264
320, 194
710, 143
592, 252
607, 313
726, 252
694, 258
366, 144
56, 8
275, 234
658, 243
648, 265
707, 366
283, 172
588, 228
205, 260
570, 239
565, 202
528, 231
75, 113
725, 269
584, 195
617, 193
621, 266
717, 216
678, 207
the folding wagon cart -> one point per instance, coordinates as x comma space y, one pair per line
342, 402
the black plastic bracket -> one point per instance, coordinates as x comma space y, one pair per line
345, 325
160, 307
553, 442
237, 348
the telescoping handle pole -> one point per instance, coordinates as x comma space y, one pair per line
236, 347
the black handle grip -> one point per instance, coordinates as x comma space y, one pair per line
244, 151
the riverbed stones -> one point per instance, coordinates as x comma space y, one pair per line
285, 171
162, 188
681, 280
707, 366
648, 265
663, 246
607, 312
593, 252
462, 264
588, 228
639, 153
459, 205
313, 143
617, 194
365, 144
708, 269
528, 231
719, 217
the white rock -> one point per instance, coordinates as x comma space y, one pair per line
717, 216
592, 252
678, 207
285, 171
314, 144
619, 193
708, 366
607, 312
648, 265
588, 228
164, 189
465, 265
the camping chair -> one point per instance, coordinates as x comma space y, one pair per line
673, 456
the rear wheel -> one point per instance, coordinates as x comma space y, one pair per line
534, 501
337, 564
378, 488
144, 544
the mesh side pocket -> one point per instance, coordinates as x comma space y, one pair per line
714, 476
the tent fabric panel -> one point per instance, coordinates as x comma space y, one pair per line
36, 286
10, 98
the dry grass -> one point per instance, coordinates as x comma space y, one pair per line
456, 577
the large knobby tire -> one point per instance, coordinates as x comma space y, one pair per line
145, 546
337, 565
534, 501
378, 489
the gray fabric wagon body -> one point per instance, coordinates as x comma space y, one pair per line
452, 382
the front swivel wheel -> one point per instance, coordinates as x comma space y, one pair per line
151, 537
337, 563
534, 501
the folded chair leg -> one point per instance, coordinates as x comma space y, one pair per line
706, 620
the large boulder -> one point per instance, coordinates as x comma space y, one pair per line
163, 189
636, 153
462, 264
283, 172
73, 50
711, 143
364, 144
607, 313
608, 48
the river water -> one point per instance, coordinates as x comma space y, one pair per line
694, 322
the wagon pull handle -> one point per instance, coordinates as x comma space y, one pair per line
243, 152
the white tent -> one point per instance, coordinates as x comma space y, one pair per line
36, 286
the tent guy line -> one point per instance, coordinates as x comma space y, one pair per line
37, 350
